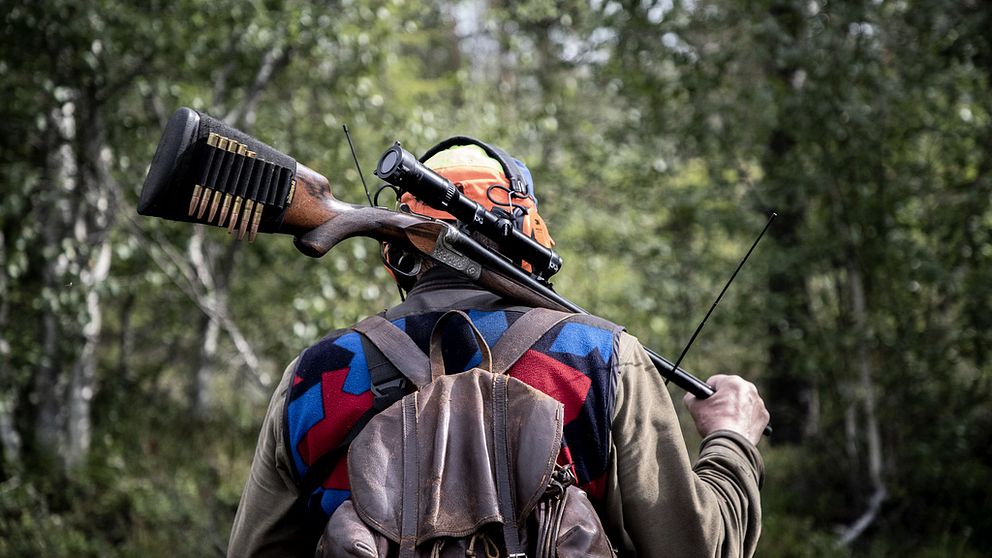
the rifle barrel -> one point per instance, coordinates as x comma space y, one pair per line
536, 293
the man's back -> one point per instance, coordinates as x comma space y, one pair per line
586, 363
573, 363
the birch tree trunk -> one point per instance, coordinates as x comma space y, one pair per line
82, 382
76, 220
10, 439
215, 296
59, 186
91, 233
866, 391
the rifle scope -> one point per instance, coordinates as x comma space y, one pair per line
400, 168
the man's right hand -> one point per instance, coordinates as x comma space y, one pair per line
736, 406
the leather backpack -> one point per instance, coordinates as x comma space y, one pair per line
466, 465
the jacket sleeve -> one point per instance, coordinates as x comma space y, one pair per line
270, 520
657, 503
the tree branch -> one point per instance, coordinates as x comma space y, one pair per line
274, 60
171, 261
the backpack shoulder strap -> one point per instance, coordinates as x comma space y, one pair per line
522, 335
393, 361
399, 350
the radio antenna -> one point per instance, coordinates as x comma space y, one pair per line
725, 287
357, 165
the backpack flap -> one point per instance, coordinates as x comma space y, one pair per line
456, 453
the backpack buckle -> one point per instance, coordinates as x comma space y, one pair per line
379, 390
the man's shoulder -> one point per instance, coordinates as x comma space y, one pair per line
339, 348
333, 351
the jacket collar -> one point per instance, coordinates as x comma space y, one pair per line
441, 289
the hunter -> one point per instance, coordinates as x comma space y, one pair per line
621, 435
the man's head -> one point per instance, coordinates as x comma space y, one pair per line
501, 186
487, 175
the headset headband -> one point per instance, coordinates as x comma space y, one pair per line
513, 172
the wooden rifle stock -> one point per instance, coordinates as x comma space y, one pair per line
207, 172
320, 221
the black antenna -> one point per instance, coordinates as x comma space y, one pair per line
357, 166
725, 287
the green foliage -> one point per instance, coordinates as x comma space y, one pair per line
171, 492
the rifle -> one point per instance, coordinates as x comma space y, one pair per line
207, 172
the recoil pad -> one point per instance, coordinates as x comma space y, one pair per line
199, 158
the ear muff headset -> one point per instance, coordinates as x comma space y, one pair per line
519, 182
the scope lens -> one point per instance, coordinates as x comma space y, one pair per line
388, 162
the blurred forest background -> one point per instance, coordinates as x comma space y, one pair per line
137, 355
